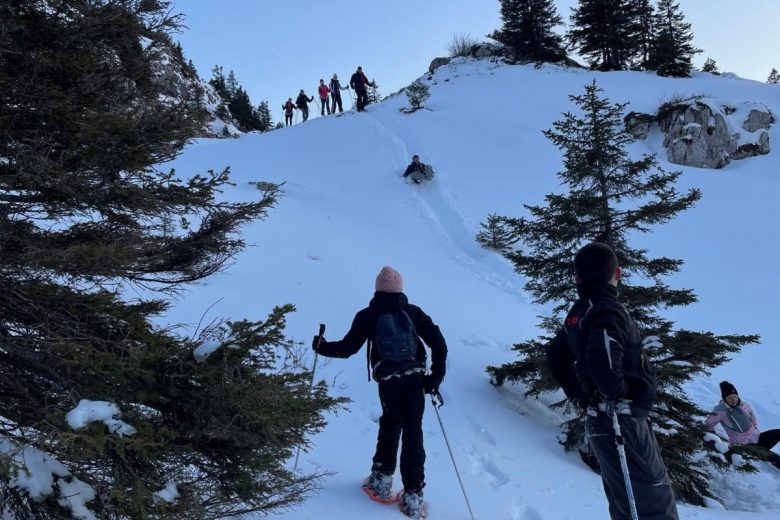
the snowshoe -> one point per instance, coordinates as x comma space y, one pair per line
379, 487
411, 504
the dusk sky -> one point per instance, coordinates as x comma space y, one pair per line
277, 48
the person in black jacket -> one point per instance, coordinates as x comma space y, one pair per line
597, 359
359, 83
401, 386
302, 102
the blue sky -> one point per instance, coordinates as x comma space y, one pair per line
277, 48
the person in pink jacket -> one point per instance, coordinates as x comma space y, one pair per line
739, 420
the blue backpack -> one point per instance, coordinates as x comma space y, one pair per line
395, 339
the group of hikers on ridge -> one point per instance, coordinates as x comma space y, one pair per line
330, 92
596, 357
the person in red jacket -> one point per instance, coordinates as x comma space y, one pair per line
323, 91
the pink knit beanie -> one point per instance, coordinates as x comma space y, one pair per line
389, 280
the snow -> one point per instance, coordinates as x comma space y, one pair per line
37, 473
169, 494
90, 411
346, 212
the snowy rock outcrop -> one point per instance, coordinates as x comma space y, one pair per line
638, 124
436, 63
699, 132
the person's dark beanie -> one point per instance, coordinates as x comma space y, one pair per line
727, 389
595, 262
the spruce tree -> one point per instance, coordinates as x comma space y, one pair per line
246, 117
373, 94
417, 93
611, 198
710, 66
603, 31
528, 30
673, 49
643, 33
95, 239
264, 116
774, 77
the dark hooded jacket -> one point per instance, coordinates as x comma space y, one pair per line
364, 328
597, 354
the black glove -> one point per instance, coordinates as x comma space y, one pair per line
431, 384
316, 343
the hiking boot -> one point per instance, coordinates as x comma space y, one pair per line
379, 486
411, 504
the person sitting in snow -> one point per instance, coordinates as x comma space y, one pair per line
302, 102
739, 420
393, 328
418, 171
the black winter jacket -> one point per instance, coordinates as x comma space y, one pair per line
597, 354
364, 327
419, 167
359, 82
302, 101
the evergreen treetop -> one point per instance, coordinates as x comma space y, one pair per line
528, 30
673, 51
774, 77
603, 31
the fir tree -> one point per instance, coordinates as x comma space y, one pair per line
264, 116
710, 66
246, 117
373, 93
86, 220
611, 198
643, 33
673, 49
528, 30
603, 31
774, 77
417, 93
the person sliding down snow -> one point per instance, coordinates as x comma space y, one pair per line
418, 171
393, 328
739, 420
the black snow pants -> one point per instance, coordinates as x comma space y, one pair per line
335, 97
769, 440
403, 404
323, 106
362, 99
288, 119
651, 485
305, 112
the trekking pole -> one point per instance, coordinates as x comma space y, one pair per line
311, 383
446, 440
621, 447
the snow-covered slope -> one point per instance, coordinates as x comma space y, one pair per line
346, 212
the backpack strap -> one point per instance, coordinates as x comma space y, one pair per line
368, 358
